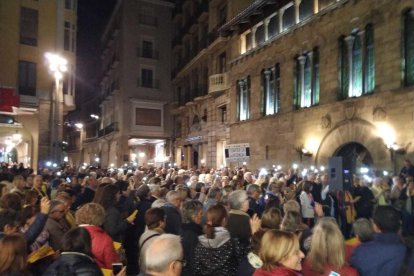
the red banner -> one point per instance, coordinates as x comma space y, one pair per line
8, 100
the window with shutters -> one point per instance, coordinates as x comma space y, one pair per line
408, 47
27, 78
28, 26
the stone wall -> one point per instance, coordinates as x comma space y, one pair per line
326, 127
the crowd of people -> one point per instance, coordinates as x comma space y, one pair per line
159, 221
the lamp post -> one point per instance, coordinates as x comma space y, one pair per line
57, 66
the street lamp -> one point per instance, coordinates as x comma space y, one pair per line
57, 67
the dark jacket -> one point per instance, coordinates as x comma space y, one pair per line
255, 208
73, 263
35, 229
114, 224
238, 225
173, 219
382, 256
189, 239
56, 229
220, 256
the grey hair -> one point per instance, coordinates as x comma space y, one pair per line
251, 188
54, 204
189, 209
236, 199
171, 195
162, 250
159, 203
363, 229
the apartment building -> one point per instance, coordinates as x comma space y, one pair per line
311, 79
134, 95
200, 81
32, 107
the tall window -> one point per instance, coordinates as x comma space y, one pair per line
356, 63
259, 35
27, 78
271, 90
147, 49
305, 9
273, 27
408, 47
288, 17
307, 79
66, 38
28, 26
243, 99
147, 78
248, 41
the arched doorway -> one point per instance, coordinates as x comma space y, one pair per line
355, 156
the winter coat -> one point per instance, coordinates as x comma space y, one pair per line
220, 256
114, 224
102, 247
173, 219
189, 240
277, 271
73, 263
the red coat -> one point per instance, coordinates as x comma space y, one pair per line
102, 247
345, 270
277, 271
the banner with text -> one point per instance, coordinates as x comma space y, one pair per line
237, 152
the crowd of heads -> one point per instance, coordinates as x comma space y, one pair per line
174, 221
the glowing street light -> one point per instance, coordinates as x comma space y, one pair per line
57, 67
79, 125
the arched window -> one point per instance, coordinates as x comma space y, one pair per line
356, 63
408, 47
305, 9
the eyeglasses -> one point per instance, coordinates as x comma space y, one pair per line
183, 262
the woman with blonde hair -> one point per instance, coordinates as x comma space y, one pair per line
283, 259
327, 251
91, 216
13, 255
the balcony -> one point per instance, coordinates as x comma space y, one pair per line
69, 103
108, 130
218, 83
147, 53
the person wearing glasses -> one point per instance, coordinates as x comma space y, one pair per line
56, 224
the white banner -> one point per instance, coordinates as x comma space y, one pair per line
237, 152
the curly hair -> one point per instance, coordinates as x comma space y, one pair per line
90, 213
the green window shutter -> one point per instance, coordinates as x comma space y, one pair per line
238, 102
263, 99
308, 82
315, 88
277, 87
248, 98
409, 48
369, 59
357, 66
343, 74
296, 87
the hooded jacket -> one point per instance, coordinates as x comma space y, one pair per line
220, 256
73, 263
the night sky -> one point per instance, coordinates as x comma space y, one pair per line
93, 15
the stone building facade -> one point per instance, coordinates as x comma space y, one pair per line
200, 81
338, 76
28, 30
134, 98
